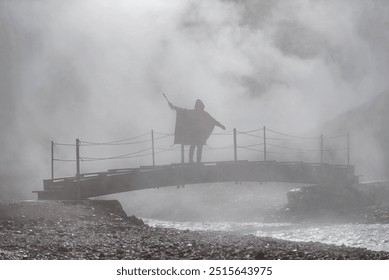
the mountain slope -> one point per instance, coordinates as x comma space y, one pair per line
368, 125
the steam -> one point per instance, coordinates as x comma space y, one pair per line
95, 70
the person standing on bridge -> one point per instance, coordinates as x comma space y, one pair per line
193, 127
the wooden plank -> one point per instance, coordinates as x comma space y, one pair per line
122, 180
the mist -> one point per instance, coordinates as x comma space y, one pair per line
96, 70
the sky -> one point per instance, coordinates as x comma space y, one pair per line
96, 70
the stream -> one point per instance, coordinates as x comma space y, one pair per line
371, 236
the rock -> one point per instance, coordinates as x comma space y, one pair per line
260, 255
109, 238
63, 249
136, 221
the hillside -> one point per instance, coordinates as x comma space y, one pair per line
368, 125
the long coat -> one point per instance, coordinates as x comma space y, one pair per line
193, 127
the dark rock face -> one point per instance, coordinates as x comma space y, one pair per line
136, 221
363, 203
377, 192
326, 197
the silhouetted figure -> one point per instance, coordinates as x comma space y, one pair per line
193, 127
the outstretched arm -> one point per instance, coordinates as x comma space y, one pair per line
172, 107
220, 125
215, 122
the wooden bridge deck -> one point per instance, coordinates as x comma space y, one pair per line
145, 177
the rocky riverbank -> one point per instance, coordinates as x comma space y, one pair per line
361, 204
101, 230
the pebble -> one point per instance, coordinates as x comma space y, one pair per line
92, 238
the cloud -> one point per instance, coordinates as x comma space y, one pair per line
95, 70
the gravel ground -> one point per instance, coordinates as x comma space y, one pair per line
101, 230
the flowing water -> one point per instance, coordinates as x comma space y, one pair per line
225, 201
371, 236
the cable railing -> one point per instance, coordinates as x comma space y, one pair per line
252, 143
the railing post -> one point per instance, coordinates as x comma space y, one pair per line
182, 153
321, 148
348, 148
264, 143
235, 146
152, 146
52, 159
78, 187
77, 157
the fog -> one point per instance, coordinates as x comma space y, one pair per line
96, 70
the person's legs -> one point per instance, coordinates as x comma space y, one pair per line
191, 152
199, 152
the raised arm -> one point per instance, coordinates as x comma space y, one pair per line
172, 107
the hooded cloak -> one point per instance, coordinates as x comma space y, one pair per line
193, 127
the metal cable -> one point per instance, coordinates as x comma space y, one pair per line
226, 133
117, 141
336, 136
64, 144
250, 131
293, 136
219, 148
229, 132
84, 143
253, 145
121, 144
115, 157
164, 134
250, 149
302, 150
253, 135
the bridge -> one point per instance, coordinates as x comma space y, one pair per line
93, 184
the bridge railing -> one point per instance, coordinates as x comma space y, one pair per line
154, 147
